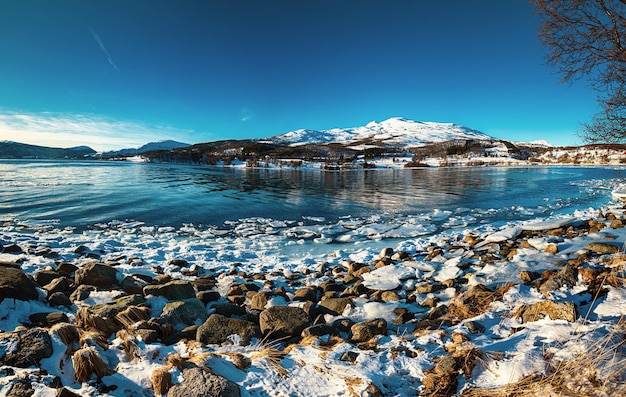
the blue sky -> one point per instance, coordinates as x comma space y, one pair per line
118, 73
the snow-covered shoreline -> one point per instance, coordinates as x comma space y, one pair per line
425, 294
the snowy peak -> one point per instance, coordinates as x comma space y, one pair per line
396, 132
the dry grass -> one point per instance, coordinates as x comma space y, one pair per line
161, 380
475, 302
93, 338
87, 362
68, 333
129, 343
596, 370
271, 353
132, 315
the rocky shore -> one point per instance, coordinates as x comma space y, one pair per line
439, 320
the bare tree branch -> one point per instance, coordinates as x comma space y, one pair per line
586, 39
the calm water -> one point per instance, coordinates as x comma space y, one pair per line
81, 193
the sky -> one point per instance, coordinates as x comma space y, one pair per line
114, 74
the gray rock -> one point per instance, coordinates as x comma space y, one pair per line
183, 313
97, 274
132, 285
228, 309
447, 365
173, 290
200, 383
21, 387
33, 346
334, 306
366, 330
283, 321
16, 285
59, 299
43, 277
474, 327
217, 328
568, 276
349, 356
81, 292
259, 300
320, 330
602, 248
59, 284
48, 319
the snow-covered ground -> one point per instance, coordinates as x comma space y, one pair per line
491, 347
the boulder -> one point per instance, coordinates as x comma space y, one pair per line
97, 274
217, 328
182, 313
366, 330
59, 284
568, 276
200, 383
334, 306
48, 319
33, 346
602, 248
133, 285
555, 310
260, 299
283, 321
43, 277
174, 290
16, 285
320, 330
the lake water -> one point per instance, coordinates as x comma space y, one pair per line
82, 193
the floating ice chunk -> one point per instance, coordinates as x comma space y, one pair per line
388, 277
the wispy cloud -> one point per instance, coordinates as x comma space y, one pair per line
68, 130
103, 48
245, 114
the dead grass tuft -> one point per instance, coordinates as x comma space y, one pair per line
161, 380
597, 370
87, 362
93, 338
132, 315
68, 333
129, 343
270, 353
475, 302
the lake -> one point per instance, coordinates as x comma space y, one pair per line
81, 193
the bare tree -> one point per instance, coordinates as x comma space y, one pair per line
587, 38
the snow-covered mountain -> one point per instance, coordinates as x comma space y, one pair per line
395, 132
148, 147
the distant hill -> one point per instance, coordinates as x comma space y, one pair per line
394, 132
16, 150
148, 147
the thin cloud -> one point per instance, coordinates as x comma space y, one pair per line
68, 130
245, 114
103, 48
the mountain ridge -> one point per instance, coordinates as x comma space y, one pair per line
395, 131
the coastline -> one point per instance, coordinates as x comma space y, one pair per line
466, 309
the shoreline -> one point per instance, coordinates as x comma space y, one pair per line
385, 322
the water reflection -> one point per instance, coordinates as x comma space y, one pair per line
89, 192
